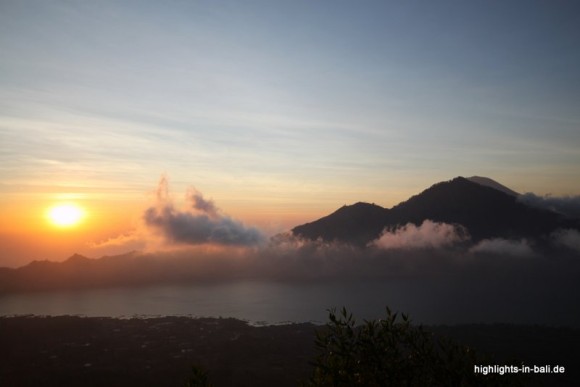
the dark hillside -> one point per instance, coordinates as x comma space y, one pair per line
485, 212
76, 351
358, 224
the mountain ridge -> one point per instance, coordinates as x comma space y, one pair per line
485, 210
486, 181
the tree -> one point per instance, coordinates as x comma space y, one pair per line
392, 352
198, 377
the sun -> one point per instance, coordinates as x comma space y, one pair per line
65, 215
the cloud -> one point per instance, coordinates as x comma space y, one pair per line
286, 257
566, 205
429, 235
120, 240
501, 246
204, 225
567, 238
199, 203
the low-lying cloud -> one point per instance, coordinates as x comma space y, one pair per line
429, 235
504, 247
567, 238
286, 257
565, 205
202, 223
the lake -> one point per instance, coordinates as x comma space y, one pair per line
268, 302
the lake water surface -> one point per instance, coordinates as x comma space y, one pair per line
263, 302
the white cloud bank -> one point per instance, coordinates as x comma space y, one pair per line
429, 235
501, 246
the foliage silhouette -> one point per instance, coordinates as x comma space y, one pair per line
198, 377
392, 352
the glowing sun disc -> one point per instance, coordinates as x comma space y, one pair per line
65, 215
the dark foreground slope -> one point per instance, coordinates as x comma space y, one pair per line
74, 351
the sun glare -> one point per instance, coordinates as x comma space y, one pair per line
65, 215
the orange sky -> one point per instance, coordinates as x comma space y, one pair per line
27, 233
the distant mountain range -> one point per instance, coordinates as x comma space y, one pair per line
485, 208
75, 272
80, 272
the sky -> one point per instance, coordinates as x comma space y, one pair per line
279, 112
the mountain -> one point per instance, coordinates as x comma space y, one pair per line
486, 181
130, 269
485, 208
74, 273
357, 223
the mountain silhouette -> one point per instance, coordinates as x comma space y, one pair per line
486, 181
76, 272
357, 223
484, 208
